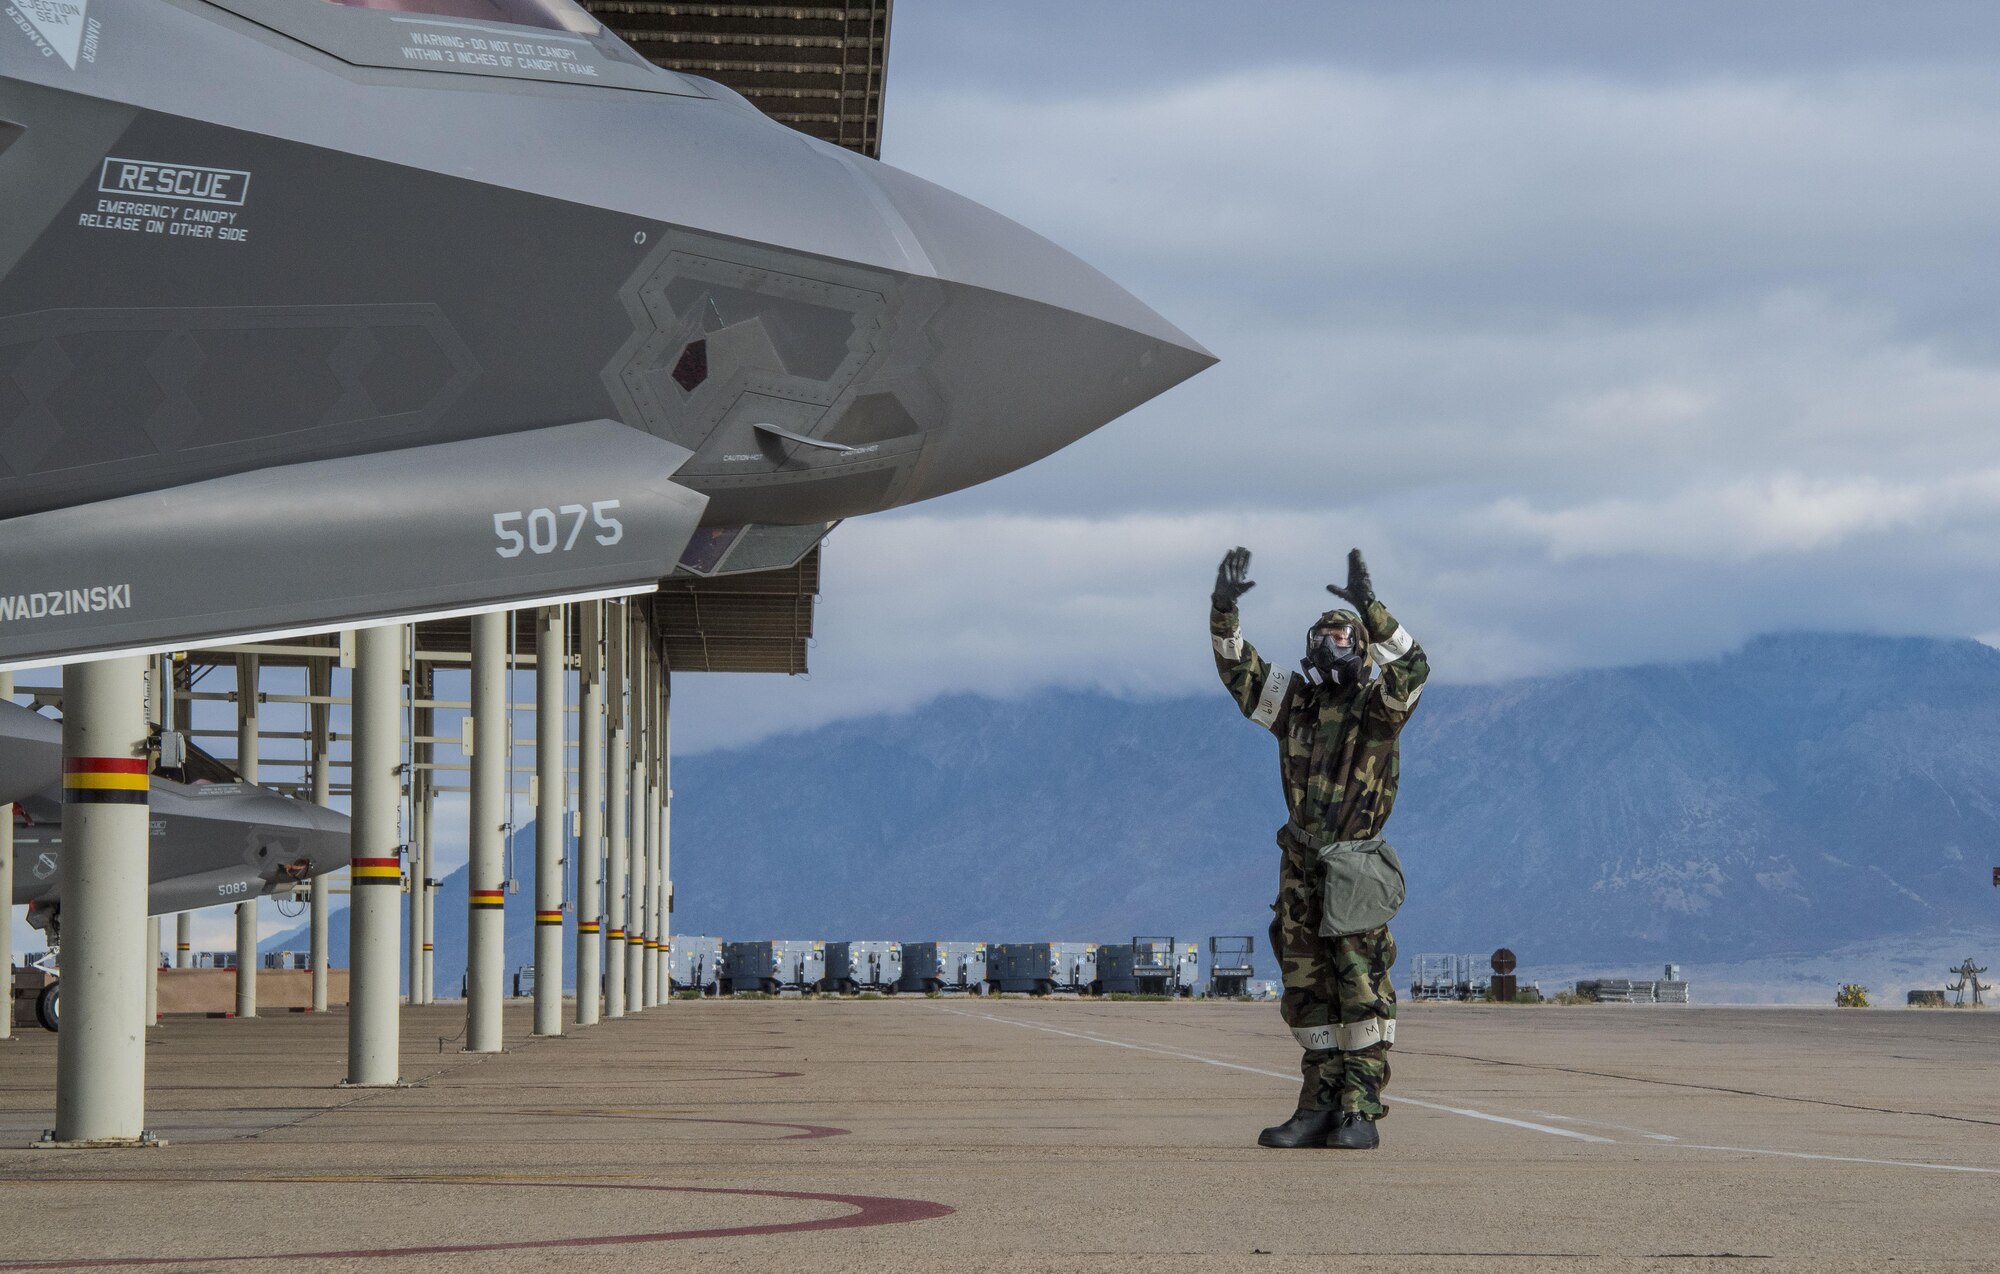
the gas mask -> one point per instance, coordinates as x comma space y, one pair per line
1334, 653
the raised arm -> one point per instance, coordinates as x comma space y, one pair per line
1390, 646
1405, 668
1260, 690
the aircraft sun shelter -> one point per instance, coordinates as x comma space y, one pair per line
747, 606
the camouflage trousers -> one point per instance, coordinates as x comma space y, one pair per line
1338, 999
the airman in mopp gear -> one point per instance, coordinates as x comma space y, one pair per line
1337, 726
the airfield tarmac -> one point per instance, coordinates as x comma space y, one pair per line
1016, 1134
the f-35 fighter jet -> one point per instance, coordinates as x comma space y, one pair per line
215, 838
317, 313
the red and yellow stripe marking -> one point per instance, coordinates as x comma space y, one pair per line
616, 935
548, 917
586, 926
105, 780
489, 899
635, 937
378, 871
427, 946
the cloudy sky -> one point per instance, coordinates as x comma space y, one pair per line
1610, 335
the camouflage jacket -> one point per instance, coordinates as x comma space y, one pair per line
1336, 745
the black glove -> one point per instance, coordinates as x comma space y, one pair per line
1360, 589
1230, 583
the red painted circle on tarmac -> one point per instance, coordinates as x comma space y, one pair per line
869, 1211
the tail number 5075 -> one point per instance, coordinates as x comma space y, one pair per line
542, 531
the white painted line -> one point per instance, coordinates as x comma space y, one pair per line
1406, 1099
1657, 1138
1469, 1113
1597, 1123
1880, 1163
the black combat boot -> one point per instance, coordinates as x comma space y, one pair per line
1356, 1132
1306, 1129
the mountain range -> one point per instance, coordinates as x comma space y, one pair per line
1804, 794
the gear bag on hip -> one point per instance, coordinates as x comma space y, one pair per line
1360, 886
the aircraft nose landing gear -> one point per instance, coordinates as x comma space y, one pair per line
48, 1002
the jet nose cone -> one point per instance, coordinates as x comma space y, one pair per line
30, 753
328, 839
1040, 348
965, 242
303, 830
897, 343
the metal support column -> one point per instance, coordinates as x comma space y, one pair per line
551, 816
635, 825
423, 909
319, 685
7, 883
101, 1049
486, 954
644, 828
413, 893
171, 721
590, 810
155, 721
246, 958
427, 880
169, 685
641, 973
413, 897
248, 668
656, 908
158, 694
617, 808
642, 855
667, 825
656, 845
374, 907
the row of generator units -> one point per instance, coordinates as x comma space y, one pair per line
279, 960
1445, 976
1144, 966
1631, 991
714, 967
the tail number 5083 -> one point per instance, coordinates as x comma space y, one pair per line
542, 531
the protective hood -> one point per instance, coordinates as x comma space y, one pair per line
1356, 672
